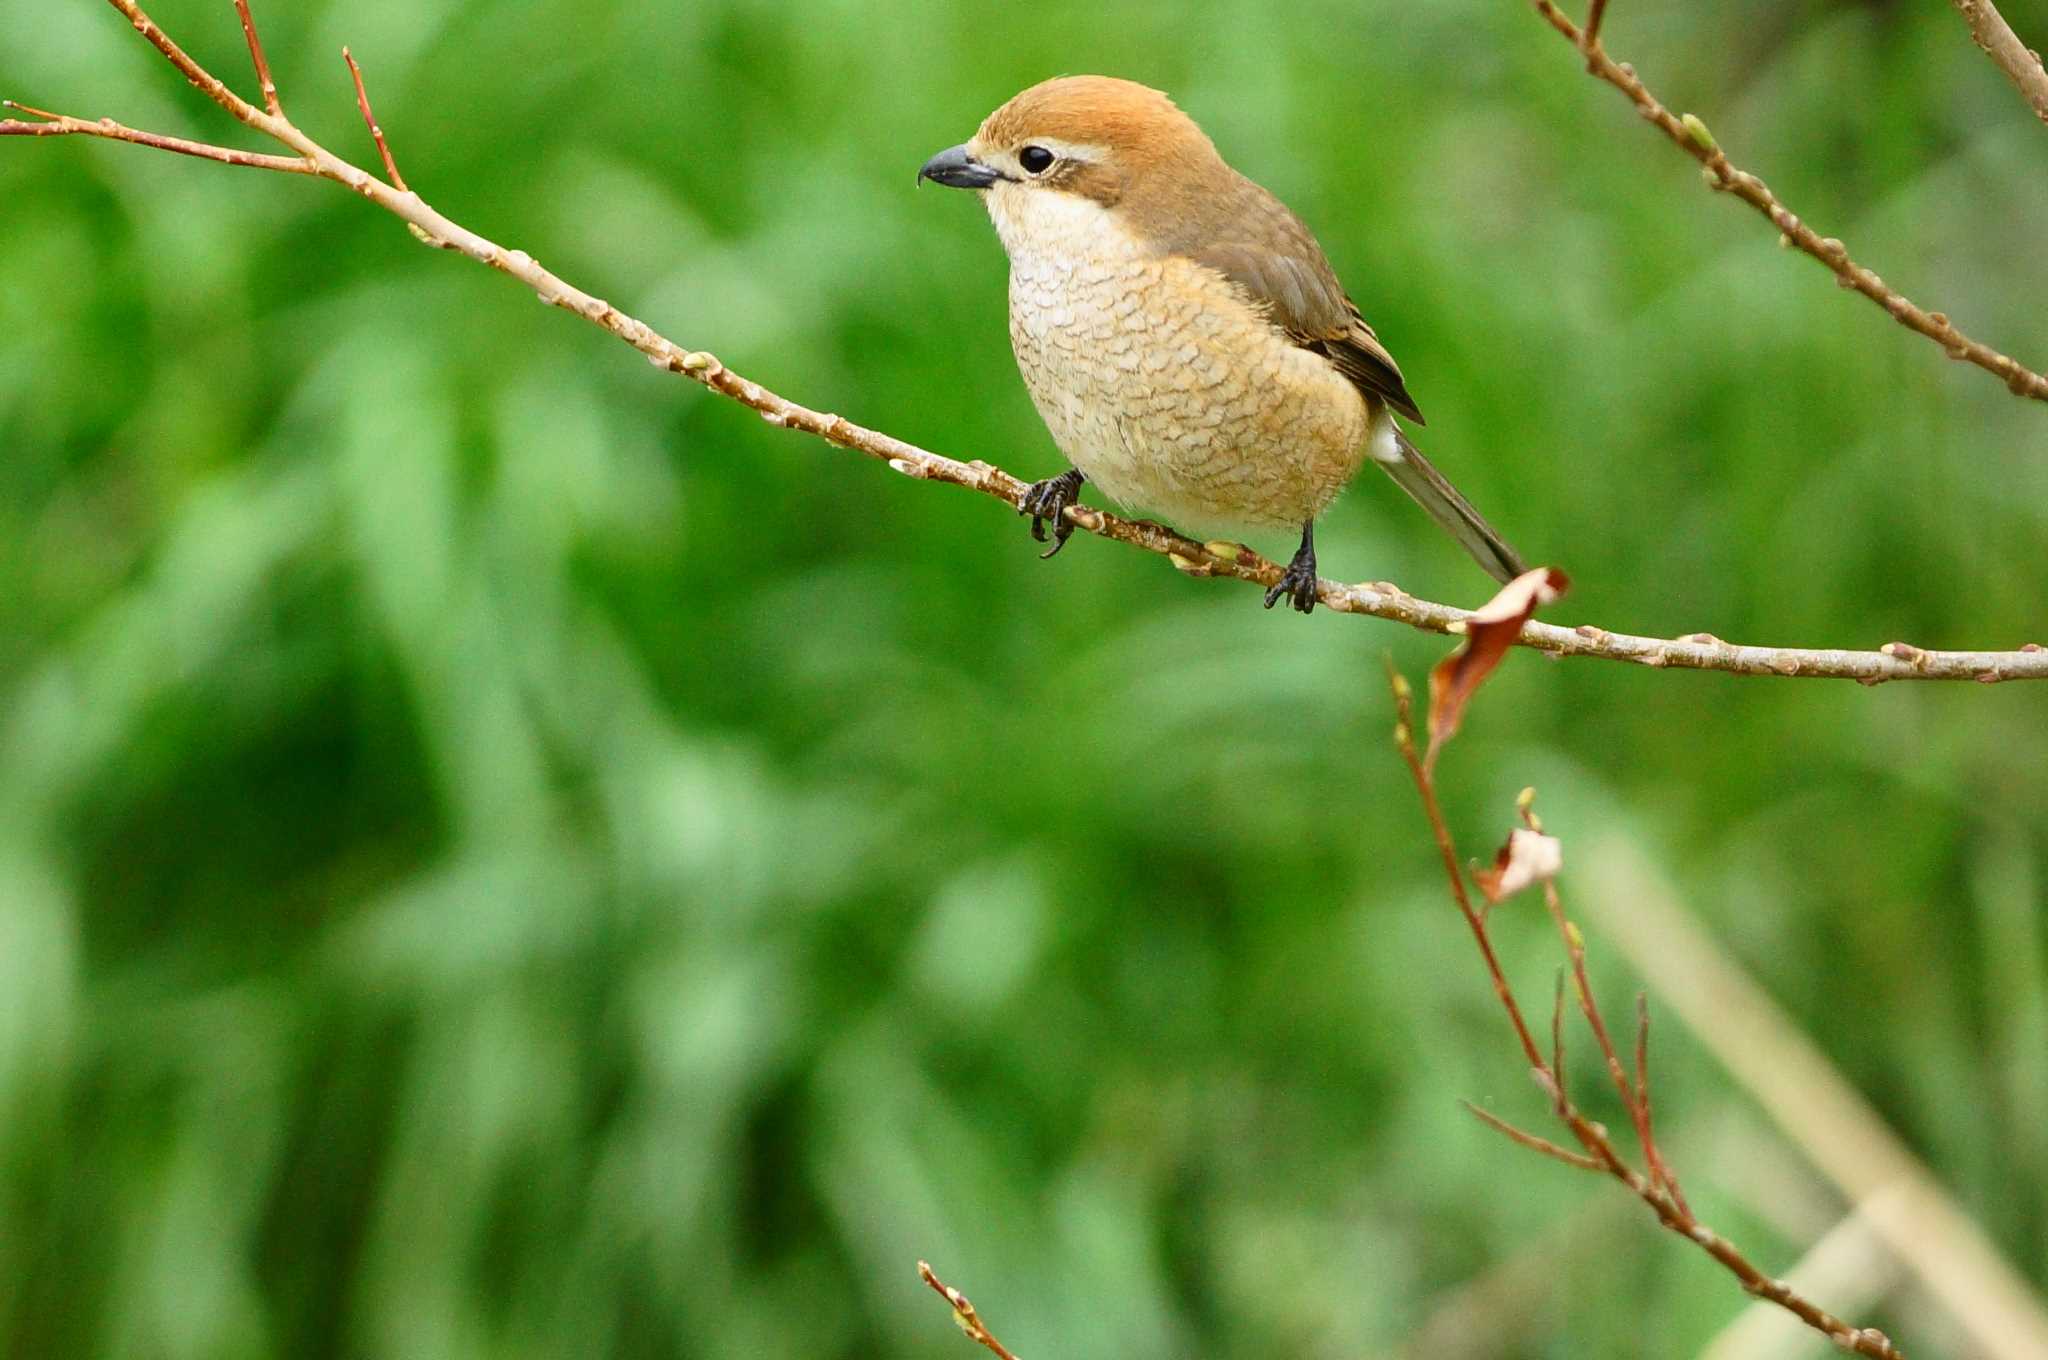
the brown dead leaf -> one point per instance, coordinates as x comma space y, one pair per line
1489, 632
1527, 857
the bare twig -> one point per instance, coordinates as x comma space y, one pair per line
61, 125
1690, 135
2021, 64
964, 1314
205, 81
1532, 1141
1694, 651
257, 58
1657, 1190
370, 120
1557, 1038
1652, 1155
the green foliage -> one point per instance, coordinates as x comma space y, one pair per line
502, 853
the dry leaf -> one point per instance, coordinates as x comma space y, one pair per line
1489, 632
1528, 857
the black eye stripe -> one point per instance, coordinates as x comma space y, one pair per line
1036, 160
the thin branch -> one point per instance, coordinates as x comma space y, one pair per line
61, 125
964, 1314
1378, 599
370, 120
1600, 1154
1532, 1141
1642, 1074
2021, 64
1404, 739
1653, 1156
1557, 1039
1690, 135
256, 56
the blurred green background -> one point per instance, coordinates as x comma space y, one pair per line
504, 854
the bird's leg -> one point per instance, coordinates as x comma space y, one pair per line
1298, 583
1048, 500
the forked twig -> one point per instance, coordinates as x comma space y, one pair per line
1634, 1095
1690, 135
1596, 11
1657, 1187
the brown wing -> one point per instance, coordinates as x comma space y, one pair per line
1252, 239
1295, 285
1359, 356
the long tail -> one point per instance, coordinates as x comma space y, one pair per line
1419, 478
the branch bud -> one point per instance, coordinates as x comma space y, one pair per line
1697, 130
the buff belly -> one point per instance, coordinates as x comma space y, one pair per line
1178, 399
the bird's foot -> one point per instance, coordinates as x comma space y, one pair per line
1048, 500
1297, 583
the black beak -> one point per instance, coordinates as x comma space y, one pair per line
955, 169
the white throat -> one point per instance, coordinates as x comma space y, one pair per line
1044, 229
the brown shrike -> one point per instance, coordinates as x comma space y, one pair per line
1180, 331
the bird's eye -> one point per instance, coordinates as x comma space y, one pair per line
1036, 160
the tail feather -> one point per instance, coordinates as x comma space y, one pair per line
1418, 477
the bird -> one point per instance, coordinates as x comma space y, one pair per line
1181, 332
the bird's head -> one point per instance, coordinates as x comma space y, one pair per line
1058, 156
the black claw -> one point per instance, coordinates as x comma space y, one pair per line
1298, 583
1048, 500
